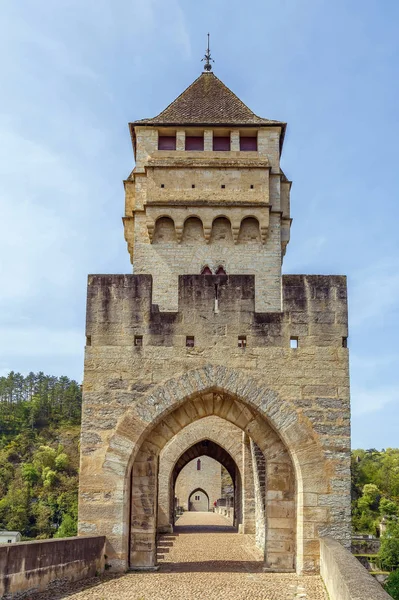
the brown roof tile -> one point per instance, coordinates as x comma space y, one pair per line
207, 101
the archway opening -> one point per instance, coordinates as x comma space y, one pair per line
198, 501
208, 466
264, 451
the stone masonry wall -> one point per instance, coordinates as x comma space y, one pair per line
259, 471
312, 382
233, 185
30, 567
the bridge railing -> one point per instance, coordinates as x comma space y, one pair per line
28, 567
344, 577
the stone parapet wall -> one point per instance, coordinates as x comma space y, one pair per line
345, 578
29, 567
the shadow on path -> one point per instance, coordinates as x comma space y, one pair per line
204, 529
213, 566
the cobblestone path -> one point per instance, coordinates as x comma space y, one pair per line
204, 559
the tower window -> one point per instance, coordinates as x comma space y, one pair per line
248, 144
138, 340
193, 185
293, 342
162, 185
199, 464
242, 341
252, 186
195, 143
222, 186
221, 144
344, 342
88, 340
167, 142
190, 341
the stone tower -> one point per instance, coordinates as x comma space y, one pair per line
208, 191
208, 332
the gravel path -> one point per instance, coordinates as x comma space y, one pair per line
203, 560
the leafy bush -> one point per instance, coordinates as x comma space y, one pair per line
392, 584
389, 552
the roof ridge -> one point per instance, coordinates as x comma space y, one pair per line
207, 100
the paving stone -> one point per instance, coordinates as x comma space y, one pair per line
204, 559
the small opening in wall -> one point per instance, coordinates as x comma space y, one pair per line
206, 271
162, 185
223, 186
190, 341
242, 341
199, 464
293, 342
252, 186
138, 340
344, 342
88, 340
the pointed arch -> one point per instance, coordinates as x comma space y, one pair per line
243, 400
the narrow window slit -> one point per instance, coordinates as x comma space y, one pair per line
189, 341
138, 340
344, 342
293, 342
216, 309
242, 341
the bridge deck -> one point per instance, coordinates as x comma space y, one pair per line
203, 558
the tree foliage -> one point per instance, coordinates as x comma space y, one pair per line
392, 584
375, 488
39, 456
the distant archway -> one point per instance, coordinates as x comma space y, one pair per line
198, 501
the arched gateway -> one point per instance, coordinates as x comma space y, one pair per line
168, 347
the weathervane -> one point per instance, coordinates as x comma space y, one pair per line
208, 59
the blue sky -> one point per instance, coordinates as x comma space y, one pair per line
73, 73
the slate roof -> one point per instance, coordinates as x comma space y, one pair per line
207, 101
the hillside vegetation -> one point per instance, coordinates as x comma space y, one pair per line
39, 458
39, 454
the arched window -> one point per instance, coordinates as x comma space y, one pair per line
220, 271
206, 271
199, 465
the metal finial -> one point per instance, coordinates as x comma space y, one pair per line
208, 59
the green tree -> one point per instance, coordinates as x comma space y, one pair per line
392, 585
388, 508
61, 461
389, 551
68, 527
29, 473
